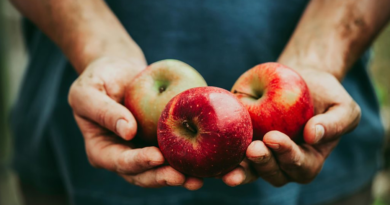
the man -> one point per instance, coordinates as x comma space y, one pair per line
321, 39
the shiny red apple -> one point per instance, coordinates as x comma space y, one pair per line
151, 90
277, 98
204, 132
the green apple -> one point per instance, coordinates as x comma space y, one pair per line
151, 90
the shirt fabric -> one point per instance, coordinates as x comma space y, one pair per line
221, 39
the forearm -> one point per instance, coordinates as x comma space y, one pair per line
85, 30
334, 34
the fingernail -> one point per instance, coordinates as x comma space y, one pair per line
273, 146
259, 158
320, 131
121, 128
236, 180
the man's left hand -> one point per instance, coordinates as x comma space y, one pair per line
279, 160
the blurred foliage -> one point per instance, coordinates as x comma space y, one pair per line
380, 202
380, 67
380, 71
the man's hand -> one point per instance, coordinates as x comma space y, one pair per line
107, 127
329, 38
279, 160
95, 42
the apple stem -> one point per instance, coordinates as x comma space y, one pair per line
161, 89
188, 126
242, 93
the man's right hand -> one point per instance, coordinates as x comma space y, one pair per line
95, 42
107, 127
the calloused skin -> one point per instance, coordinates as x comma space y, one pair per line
107, 59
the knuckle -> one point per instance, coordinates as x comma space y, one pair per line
164, 175
139, 181
160, 177
296, 163
122, 165
161, 181
152, 156
101, 115
142, 157
97, 83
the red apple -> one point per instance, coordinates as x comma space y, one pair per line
204, 132
151, 90
277, 98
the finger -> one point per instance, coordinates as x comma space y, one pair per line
300, 163
234, 177
155, 178
330, 125
264, 163
121, 159
193, 183
95, 105
135, 161
107, 151
242, 174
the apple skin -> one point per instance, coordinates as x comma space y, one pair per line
204, 132
277, 98
153, 88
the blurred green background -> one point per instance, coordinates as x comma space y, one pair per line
13, 60
380, 71
12, 64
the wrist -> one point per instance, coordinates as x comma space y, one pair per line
83, 54
336, 67
125, 68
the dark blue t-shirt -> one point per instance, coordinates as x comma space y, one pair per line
221, 39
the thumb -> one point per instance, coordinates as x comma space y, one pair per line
330, 125
96, 106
